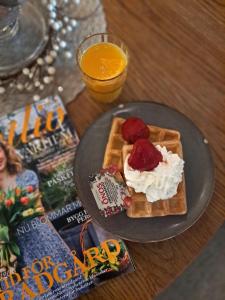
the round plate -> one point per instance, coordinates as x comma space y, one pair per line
199, 172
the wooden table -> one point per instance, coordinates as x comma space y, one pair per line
177, 50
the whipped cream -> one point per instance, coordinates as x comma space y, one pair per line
162, 182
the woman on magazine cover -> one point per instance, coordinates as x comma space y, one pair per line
38, 240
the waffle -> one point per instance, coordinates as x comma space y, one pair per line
141, 208
113, 151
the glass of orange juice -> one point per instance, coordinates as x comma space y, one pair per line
103, 61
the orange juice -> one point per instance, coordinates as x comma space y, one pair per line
103, 61
104, 67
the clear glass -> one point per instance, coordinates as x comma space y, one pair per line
106, 90
23, 34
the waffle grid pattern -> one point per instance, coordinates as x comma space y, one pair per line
116, 151
176, 205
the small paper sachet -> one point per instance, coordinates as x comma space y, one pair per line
110, 191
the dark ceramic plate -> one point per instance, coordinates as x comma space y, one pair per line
199, 172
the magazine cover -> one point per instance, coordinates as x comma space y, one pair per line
49, 246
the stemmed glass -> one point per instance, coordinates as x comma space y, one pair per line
23, 34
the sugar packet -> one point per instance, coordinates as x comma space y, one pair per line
110, 191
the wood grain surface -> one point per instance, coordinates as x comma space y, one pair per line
177, 57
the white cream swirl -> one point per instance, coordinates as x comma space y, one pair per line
162, 182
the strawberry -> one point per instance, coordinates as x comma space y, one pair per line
24, 200
144, 156
134, 129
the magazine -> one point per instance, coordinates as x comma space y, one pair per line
50, 248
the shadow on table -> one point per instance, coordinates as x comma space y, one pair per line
205, 278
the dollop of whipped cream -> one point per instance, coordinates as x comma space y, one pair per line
160, 183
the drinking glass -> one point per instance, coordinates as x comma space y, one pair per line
103, 90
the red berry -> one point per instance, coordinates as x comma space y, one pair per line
8, 202
144, 156
127, 201
134, 129
24, 200
29, 189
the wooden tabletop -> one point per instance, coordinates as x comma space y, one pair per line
177, 50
